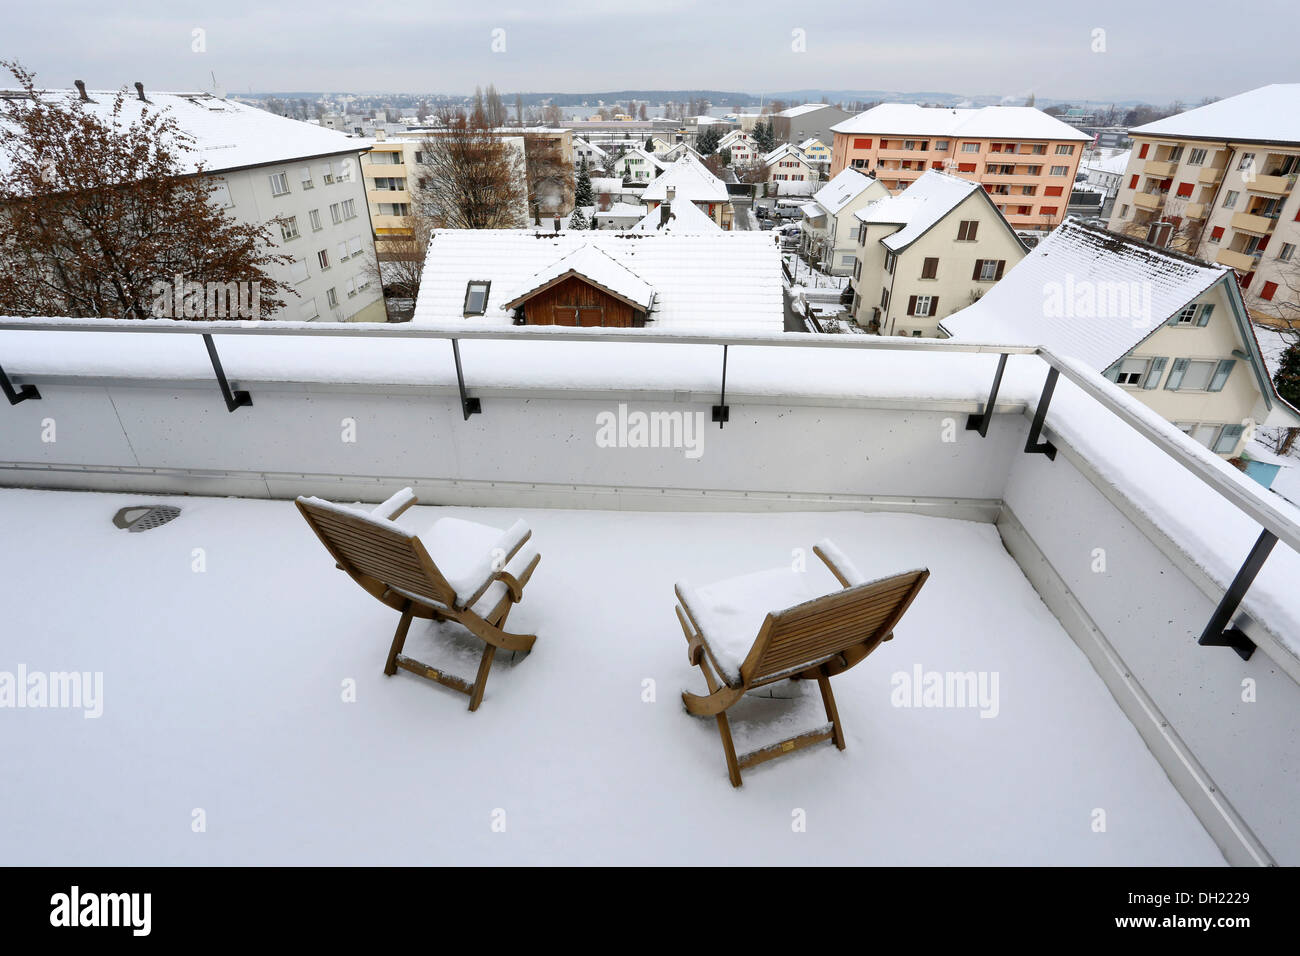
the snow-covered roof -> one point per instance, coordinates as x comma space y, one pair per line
621, 210
846, 186
804, 109
580, 143
611, 185
1008, 122
810, 142
224, 134
1269, 114
1077, 256
691, 180
918, 207
684, 218
650, 158
593, 265
781, 152
722, 281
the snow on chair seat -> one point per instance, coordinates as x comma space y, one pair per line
750, 631
469, 573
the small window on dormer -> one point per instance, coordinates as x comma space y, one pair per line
476, 296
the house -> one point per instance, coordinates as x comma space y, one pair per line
717, 282
1026, 159
677, 151
743, 149
1106, 172
593, 154
808, 121
657, 145
830, 230
1171, 330
786, 164
1223, 176
637, 164
619, 215
681, 218
930, 251
817, 153
689, 180
263, 166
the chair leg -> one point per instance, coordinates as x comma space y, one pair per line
729, 748
484, 665
832, 712
399, 640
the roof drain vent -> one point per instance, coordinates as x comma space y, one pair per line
145, 517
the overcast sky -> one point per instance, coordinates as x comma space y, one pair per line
1154, 52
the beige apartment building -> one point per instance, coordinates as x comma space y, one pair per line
932, 250
1168, 328
1219, 182
1025, 160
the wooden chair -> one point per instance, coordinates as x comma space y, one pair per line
470, 573
747, 632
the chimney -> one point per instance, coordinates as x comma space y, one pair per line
665, 213
81, 89
139, 91
671, 193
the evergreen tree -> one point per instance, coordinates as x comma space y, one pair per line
578, 220
1287, 378
725, 156
707, 142
764, 136
582, 195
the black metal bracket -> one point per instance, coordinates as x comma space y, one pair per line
980, 422
1217, 633
237, 399
468, 406
16, 395
722, 411
1033, 446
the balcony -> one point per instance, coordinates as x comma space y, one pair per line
391, 170
1241, 261
1273, 185
1209, 175
1150, 201
1102, 700
1158, 169
1195, 210
376, 196
1260, 225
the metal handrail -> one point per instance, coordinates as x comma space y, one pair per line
1268, 515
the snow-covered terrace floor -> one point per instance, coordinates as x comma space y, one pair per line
223, 692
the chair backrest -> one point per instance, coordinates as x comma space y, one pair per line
378, 549
816, 631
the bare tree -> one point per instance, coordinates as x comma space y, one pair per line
552, 115
107, 218
551, 181
496, 109
468, 177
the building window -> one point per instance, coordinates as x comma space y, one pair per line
1048, 210
298, 270
884, 299
1196, 158
332, 298
314, 217
965, 167
1142, 153
970, 147
1175, 155
1123, 211
1132, 371
1286, 252
1064, 150
327, 176
890, 259
221, 193
1230, 200
476, 297
1227, 440
1247, 161
988, 270
862, 144
966, 230
351, 288
279, 184
1216, 234
289, 228
930, 268
847, 261
1187, 315
349, 209
1060, 170
308, 311
323, 259
335, 216
941, 145
922, 307
304, 177
1266, 291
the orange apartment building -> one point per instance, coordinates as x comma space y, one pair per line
1025, 160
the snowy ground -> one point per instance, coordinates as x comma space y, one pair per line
223, 692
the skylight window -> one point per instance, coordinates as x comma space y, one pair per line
476, 296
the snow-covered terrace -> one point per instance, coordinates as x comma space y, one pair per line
222, 689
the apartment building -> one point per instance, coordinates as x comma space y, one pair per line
933, 249
1171, 330
1025, 160
807, 121
1219, 182
264, 166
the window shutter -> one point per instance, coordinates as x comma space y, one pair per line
1112, 373
1157, 370
1173, 319
1176, 375
1221, 374
911, 305
1001, 264
934, 306
1203, 318
1228, 439
979, 265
